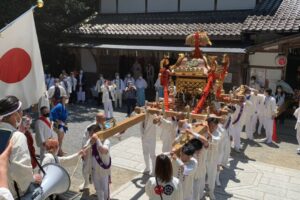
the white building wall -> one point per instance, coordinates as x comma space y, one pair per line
235, 4
88, 63
131, 6
162, 5
263, 59
196, 5
108, 6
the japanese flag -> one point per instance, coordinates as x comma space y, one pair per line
21, 67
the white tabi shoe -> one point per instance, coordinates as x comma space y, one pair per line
83, 186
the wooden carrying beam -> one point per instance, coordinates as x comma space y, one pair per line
121, 126
170, 113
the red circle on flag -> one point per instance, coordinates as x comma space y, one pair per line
15, 65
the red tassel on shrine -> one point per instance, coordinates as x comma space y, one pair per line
166, 98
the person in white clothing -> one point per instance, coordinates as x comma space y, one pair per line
107, 98
150, 75
214, 135
19, 167
98, 86
5, 194
184, 168
297, 126
73, 85
239, 117
43, 130
198, 191
167, 128
128, 79
101, 164
43, 101
55, 92
87, 160
81, 87
52, 158
258, 116
148, 133
120, 87
269, 115
249, 112
164, 185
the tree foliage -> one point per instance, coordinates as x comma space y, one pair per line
52, 19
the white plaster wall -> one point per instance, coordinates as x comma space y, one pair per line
263, 59
196, 5
88, 63
162, 5
235, 4
131, 6
108, 6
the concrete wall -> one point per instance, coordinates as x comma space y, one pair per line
263, 59
108, 6
162, 5
131, 6
88, 63
196, 5
235, 4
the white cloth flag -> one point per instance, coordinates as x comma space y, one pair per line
21, 67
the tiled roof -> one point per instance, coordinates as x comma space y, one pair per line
216, 23
269, 15
278, 16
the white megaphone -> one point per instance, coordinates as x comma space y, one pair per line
55, 181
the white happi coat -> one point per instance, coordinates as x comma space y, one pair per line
185, 176
19, 166
168, 133
175, 194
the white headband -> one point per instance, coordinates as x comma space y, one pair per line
7, 114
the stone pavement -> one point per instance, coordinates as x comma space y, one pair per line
244, 179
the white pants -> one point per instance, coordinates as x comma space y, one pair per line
118, 99
167, 146
268, 124
149, 153
225, 150
198, 187
256, 118
86, 173
211, 170
101, 186
81, 96
236, 135
298, 135
249, 128
108, 109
